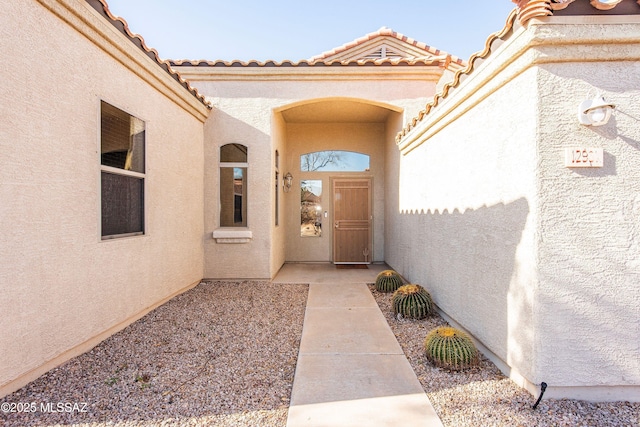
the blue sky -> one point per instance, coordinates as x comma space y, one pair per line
300, 29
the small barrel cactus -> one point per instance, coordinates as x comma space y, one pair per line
450, 348
388, 281
412, 301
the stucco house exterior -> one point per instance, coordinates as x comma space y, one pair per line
126, 179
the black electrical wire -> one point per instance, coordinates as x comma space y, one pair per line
543, 387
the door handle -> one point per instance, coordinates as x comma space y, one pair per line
337, 224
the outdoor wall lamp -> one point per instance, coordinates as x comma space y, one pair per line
595, 112
288, 181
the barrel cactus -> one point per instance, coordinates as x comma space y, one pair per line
412, 301
388, 281
450, 348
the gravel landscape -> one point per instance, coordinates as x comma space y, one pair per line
221, 354
483, 396
224, 354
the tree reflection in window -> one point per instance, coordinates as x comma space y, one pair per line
311, 208
334, 161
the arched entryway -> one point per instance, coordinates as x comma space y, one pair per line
313, 226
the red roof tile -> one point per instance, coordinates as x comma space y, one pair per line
121, 25
426, 56
385, 32
529, 9
526, 10
439, 60
508, 28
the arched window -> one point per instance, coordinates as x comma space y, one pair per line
233, 185
334, 161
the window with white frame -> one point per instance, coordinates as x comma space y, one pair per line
233, 185
122, 159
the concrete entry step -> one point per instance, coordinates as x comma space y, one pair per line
326, 273
351, 370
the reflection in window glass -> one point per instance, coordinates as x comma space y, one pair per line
122, 152
233, 185
334, 161
233, 153
233, 191
121, 139
311, 208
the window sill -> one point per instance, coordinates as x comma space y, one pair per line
121, 236
232, 235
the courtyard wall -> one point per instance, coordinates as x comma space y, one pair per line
62, 288
539, 261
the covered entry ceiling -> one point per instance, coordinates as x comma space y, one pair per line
337, 111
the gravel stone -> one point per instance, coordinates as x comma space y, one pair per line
483, 396
223, 353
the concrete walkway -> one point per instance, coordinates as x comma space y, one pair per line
351, 370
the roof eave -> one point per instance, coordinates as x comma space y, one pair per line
136, 41
405, 139
424, 72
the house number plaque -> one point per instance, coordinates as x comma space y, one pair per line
581, 157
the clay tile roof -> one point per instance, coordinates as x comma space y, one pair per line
429, 51
422, 55
525, 11
529, 9
506, 30
121, 25
439, 60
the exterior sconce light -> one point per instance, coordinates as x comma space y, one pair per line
595, 112
288, 181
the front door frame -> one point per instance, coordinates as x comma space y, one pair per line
368, 258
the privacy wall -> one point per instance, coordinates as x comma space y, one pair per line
62, 287
537, 259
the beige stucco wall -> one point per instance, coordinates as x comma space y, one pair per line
249, 103
278, 231
538, 261
62, 289
365, 138
589, 254
249, 124
465, 223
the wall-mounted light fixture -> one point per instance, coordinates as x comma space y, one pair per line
595, 112
287, 182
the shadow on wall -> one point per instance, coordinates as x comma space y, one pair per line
220, 129
236, 260
467, 260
